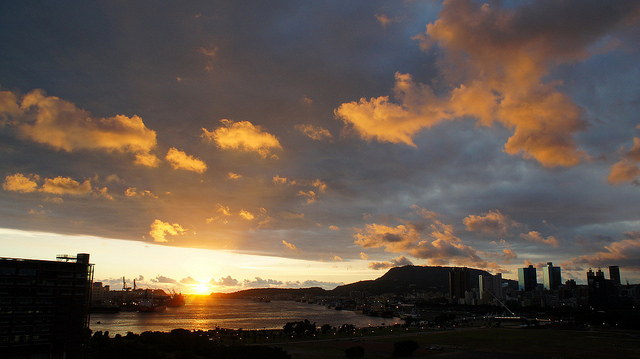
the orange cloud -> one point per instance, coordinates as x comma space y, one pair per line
180, 160
21, 183
627, 169
497, 60
314, 133
243, 136
536, 237
134, 192
159, 230
60, 124
440, 246
624, 253
58, 185
492, 223
290, 246
65, 185
396, 262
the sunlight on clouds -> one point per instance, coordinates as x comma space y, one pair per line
290, 246
314, 132
396, 262
180, 160
244, 136
159, 230
58, 185
492, 223
535, 236
134, 192
496, 59
21, 183
61, 125
628, 168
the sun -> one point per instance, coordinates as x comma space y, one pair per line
202, 288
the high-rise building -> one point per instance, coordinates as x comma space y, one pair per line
44, 307
614, 274
490, 287
459, 282
552, 276
527, 278
598, 291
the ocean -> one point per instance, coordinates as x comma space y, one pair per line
204, 313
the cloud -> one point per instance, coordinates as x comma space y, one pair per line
163, 279
334, 228
180, 160
320, 185
624, 253
261, 283
233, 176
364, 256
337, 259
21, 183
314, 132
394, 239
290, 246
492, 223
536, 237
65, 185
58, 185
283, 180
396, 262
159, 230
243, 136
52, 121
440, 246
246, 215
311, 196
225, 281
627, 169
497, 61
385, 20
189, 280
137, 193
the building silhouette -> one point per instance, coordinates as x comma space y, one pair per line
490, 287
552, 277
459, 282
527, 278
44, 307
614, 274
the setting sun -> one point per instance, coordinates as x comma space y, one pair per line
201, 288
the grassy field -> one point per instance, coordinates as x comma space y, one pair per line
482, 343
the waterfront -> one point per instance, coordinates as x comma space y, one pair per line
204, 313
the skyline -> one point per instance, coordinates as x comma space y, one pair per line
220, 146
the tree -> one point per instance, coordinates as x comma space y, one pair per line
354, 352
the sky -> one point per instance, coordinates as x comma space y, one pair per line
218, 146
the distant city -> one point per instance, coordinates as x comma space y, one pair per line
45, 305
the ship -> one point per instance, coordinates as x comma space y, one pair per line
176, 300
148, 305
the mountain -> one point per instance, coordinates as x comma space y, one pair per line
397, 280
407, 279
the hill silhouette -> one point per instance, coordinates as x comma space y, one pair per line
397, 280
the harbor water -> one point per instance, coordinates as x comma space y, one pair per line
204, 313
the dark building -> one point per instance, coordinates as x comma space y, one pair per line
459, 282
552, 276
614, 274
527, 278
44, 307
601, 290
